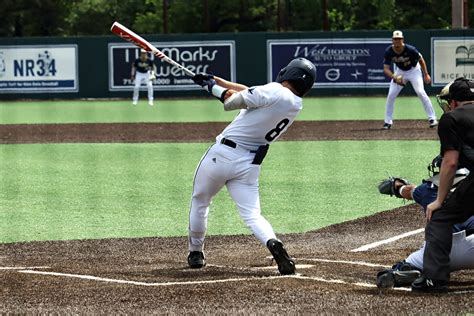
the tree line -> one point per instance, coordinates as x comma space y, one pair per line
24, 18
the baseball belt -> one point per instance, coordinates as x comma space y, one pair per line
260, 153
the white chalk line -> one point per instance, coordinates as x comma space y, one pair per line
297, 266
295, 276
94, 278
24, 268
387, 241
357, 263
335, 281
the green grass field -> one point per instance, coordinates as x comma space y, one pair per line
80, 191
197, 110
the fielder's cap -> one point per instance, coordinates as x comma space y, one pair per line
462, 89
397, 34
142, 51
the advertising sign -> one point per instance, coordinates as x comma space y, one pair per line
452, 58
210, 56
37, 69
354, 63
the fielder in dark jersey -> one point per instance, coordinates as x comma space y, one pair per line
406, 60
143, 70
143, 66
409, 67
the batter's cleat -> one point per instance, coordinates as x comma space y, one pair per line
196, 260
150, 103
387, 126
286, 265
134, 102
427, 285
433, 123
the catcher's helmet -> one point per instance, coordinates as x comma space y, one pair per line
461, 89
301, 73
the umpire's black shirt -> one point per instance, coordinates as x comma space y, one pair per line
456, 132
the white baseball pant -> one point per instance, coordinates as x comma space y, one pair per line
223, 166
415, 77
461, 257
139, 78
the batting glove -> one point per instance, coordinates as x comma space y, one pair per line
209, 84
200, 78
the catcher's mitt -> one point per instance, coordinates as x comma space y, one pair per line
391, 186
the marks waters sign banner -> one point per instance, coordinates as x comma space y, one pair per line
216, 57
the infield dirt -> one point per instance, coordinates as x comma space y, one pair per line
150, 275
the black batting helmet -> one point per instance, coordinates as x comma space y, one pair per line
301, 73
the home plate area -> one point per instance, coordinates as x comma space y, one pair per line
150, 275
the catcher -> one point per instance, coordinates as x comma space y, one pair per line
403, 273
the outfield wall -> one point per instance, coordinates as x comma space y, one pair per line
348, 63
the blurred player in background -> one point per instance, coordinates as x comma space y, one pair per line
143, 70
409, 65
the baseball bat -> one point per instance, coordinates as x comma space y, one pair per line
139, 41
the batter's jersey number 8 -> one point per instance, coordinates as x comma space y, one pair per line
272, 134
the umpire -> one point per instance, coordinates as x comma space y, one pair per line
456, 133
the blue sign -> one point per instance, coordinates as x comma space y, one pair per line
211, 57
354, 63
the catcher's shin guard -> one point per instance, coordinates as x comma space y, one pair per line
286, 265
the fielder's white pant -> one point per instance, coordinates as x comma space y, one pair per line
461, 257
222, 166
139, 78
414, 76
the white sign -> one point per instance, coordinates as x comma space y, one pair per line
36, 69
452, 58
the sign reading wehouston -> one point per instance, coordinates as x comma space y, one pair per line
354, 63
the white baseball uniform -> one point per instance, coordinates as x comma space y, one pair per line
271, 109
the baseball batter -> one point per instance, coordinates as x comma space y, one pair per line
235, 159
409, 65
143, 70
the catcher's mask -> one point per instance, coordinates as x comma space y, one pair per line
433, 167
301, 73
461, 89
